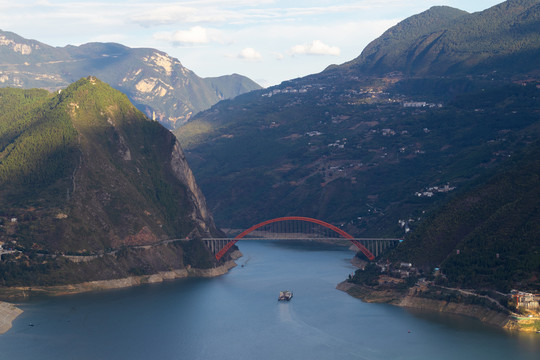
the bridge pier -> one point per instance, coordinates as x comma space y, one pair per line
215, 245
379, 246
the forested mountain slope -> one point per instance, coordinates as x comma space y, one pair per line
488, 235
500, 41
83, 172
356, 143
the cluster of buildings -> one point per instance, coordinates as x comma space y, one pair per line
429, 192
404, 224
388, 132
525, 300
339, 143
420, 104
5, 251
405, 270
287, 90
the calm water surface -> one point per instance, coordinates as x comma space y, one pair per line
237, 316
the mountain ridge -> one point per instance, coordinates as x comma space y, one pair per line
451, 41
158, 84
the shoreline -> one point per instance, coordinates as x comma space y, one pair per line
100, 285
411, 301
9, 312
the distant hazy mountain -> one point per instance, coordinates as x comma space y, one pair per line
83, 171
155, 82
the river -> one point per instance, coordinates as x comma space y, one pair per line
237, 316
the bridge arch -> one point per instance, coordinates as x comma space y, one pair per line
344, 234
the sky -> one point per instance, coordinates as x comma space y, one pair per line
269, 41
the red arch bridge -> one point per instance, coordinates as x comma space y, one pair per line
301, 228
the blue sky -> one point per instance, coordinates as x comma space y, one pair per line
267, 40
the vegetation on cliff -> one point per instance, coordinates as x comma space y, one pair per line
37, 139
446, 41
487, 236
83, 172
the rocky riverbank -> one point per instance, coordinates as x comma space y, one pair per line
8, 313
26, 292
409, 299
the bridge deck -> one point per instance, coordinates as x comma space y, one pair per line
300, 228
304, 239
371, 246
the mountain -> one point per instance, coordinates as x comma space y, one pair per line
351, 156
443, 41
440, 103
155, 82
486, 236
83, 172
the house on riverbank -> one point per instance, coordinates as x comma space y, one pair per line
525, 300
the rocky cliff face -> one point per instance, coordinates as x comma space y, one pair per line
183, 172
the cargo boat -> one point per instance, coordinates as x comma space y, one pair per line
285, 295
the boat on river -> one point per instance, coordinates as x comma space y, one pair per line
285, 295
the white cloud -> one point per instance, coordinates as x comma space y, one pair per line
250, 54
316, 47
174, 14
244, 12
278, 56
161, 15
196, 35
